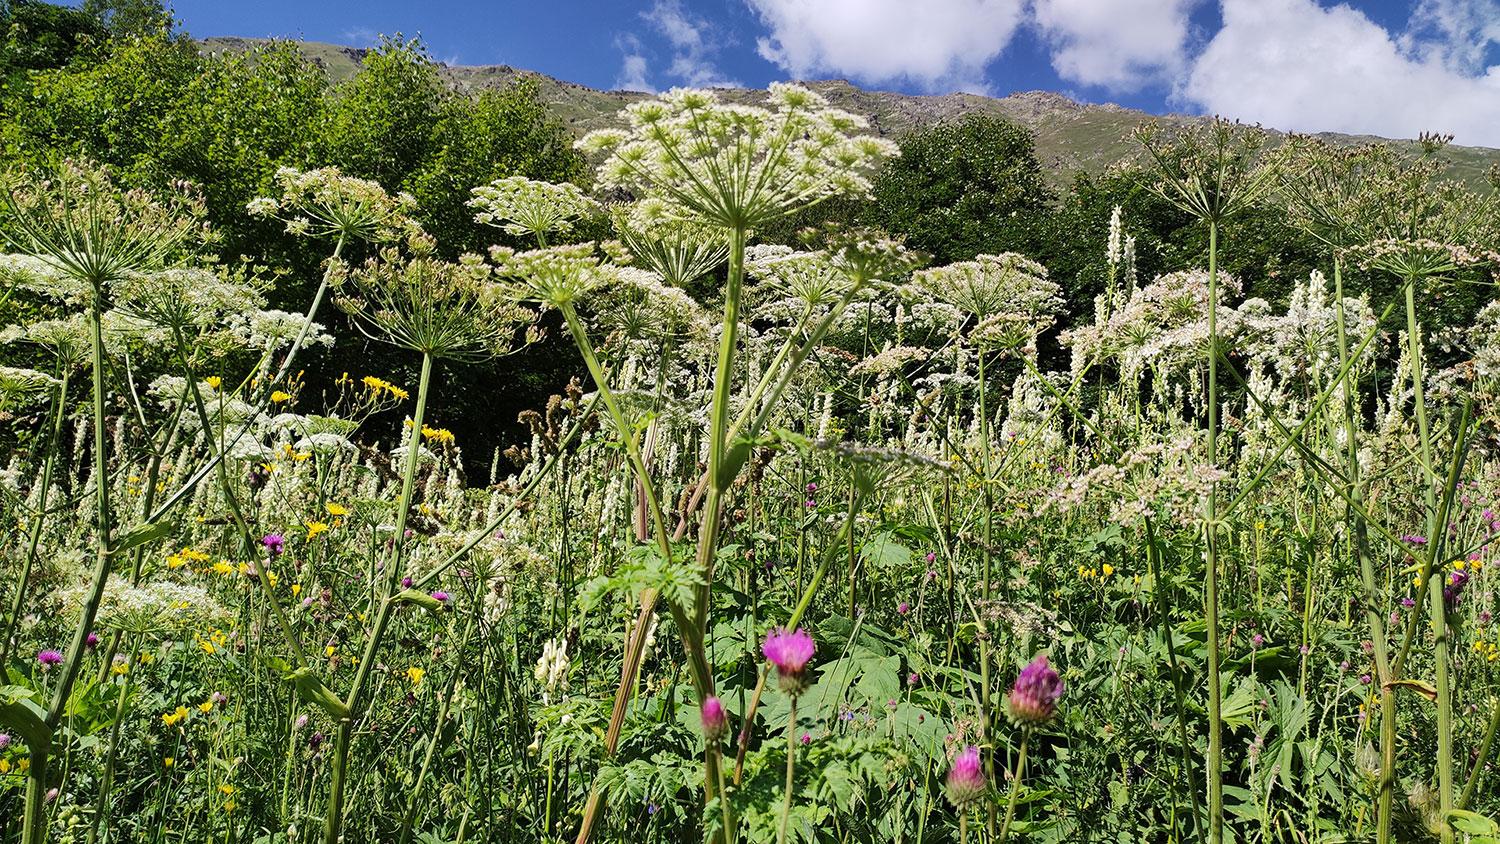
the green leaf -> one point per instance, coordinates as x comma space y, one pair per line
140, 535
421, 599
23, 715
312, 690
1472, 823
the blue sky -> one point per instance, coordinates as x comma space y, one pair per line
1367, 66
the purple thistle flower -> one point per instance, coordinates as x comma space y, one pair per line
4, 740
715, 721
966, 778
807, 738
1365, 679
440, 596
903, 608
1033, 699
1408, 603
275, 543
1413, 539
49, 658
1257, 640
789, 651
92, 640
405, 583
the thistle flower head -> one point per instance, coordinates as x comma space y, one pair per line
49, 658
790, 651
715, 721
966, 782
1033, 699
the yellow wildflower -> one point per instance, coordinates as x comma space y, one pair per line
214, 381
315, 528
336, 509
280, 397
415, 675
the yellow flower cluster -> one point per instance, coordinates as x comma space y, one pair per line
437, 435
380, 385
1099, 573
182, 714
315, 528
184, 557
1488, 650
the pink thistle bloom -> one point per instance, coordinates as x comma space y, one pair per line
903, 608
966, 781
49, 658
1033, 699
715, 721
275, 543
789, 651
440, 596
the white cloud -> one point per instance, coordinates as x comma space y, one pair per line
1457, 33
1293, 64
632, 75
693, 41
1116, 44
932, 43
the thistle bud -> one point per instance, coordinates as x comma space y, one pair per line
715, 721
1033, 699
966, 778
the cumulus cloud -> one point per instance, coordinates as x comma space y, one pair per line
1120, 45
1294, 64
933, 44
633, 66
692, 41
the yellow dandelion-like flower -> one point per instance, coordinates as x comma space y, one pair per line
336, 509
206, 707
223, 567
280, 397
1108, 569
214, 381
415, 675
315, 528
296, 589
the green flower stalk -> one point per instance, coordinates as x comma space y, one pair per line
1212, 174
95, 236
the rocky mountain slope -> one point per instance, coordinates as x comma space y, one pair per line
1070, 136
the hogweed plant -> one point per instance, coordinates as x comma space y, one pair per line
1068, 574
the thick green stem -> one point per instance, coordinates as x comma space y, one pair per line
334, 821
1211, 560
35, 824
1373, 615
1435, 533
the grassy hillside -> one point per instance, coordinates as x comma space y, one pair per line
1070, 136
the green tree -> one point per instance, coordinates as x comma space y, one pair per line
130, 17
962, 189
380, 123
476, 140
37, 36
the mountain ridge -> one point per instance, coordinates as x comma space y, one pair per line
1071, 136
